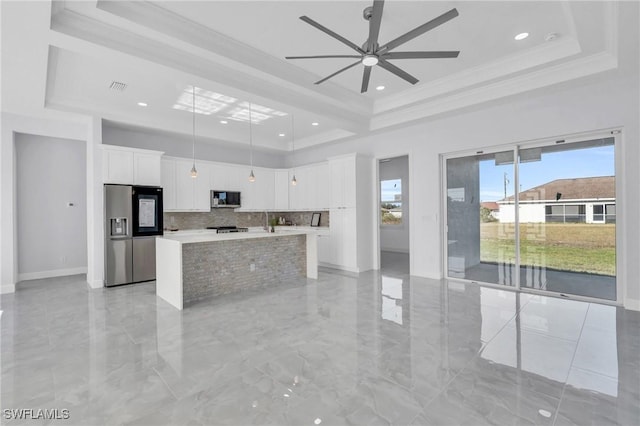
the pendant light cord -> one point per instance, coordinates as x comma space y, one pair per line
250, 137
193, 146
293, 145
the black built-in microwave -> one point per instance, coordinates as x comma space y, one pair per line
230, 199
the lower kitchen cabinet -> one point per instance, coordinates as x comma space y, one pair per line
340, 249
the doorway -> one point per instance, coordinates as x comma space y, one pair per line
393, 191
535, 217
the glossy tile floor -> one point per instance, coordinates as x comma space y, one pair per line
377, 349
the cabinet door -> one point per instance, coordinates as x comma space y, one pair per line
324, 249
201, 190
281, 190
146, 169
266, 188
184, 185
322, 186
337, 172
236, 178
294, 190
168, 183
349, 238
117, 166
219, 177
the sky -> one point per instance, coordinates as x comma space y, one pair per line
388, 189
589, 162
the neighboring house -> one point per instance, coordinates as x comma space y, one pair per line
493, 207
581, 200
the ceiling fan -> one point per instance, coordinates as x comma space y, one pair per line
371, 53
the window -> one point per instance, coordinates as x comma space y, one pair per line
391, 202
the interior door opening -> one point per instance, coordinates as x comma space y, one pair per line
393, 186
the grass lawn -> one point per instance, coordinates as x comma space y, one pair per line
576, 247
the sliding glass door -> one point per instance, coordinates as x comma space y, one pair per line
480, 246
567, 242
558, 233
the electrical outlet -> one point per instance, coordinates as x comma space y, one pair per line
252, 267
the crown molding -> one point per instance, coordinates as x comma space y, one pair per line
578, 68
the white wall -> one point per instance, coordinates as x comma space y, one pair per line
52, 236
396, 237
609, 100
177, 145
528, 213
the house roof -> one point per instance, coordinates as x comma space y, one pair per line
572, 189
491, 205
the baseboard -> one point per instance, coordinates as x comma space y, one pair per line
339, 267
395, 250
95, 283
7, 288
51, 274
632, 304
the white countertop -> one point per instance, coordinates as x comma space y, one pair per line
206, 235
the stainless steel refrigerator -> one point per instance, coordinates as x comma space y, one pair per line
133, 220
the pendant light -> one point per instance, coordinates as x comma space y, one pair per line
252, 177
194, 172
294, 181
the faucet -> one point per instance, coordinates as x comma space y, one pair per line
266, 223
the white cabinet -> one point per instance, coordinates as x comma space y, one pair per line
340, 249
258, 195
131, 166
281, 189
181, 191
343, 182
350, 242
168, 183
312, 190
117, 166
146, 169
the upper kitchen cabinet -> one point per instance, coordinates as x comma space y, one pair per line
182, 192
281, 189
258, 195
131, 166
312, 189
343, 181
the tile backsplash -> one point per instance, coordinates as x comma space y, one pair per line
227, 217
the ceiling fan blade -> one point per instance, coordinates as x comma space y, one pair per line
397, 71
374, 23
337, 72
445, 17
421, 55
332, 34
365, 79
323, 56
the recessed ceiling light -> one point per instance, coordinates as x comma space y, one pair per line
521, 36
223, 121
380, 88
315, 123
142, 104
281, 134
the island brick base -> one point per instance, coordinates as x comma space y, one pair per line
222, 267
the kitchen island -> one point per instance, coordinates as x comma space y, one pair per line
195, 265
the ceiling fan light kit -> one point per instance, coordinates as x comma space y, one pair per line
372, 54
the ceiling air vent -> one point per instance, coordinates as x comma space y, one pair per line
117, 85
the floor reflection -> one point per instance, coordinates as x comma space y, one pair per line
381, 347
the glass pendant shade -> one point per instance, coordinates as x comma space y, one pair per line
294, 181
194, 172
252, 177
